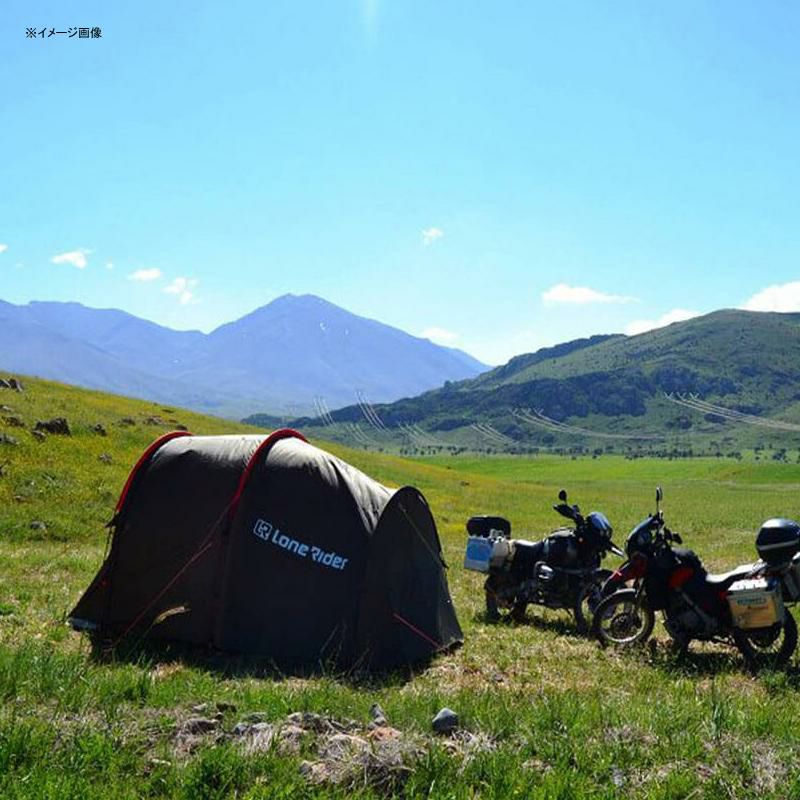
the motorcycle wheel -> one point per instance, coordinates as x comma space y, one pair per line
622, 620
768, 649
587, 601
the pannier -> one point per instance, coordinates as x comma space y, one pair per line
478, 555
778, 540
489, 526
755, 603
791, 581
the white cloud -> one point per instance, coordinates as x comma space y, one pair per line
183, 288
644, 325
75, 257
3, 248
430, 235
109, 265
581, 295
144, 275
779, 297
440, 336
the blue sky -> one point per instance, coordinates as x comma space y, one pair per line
498, 176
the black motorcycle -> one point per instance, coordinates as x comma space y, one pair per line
745, 606
561, 571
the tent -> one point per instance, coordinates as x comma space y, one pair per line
268, 545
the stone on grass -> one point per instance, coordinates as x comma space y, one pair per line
378, 715
9, 440
198, 725
445, 721
100, 429
40, 436
14, 422
57, 425
38, 525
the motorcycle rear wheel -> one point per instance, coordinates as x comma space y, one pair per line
623, 620
587, 602
768, 649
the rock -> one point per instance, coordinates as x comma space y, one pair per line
181, 428
318, 722
57, 425
254, 716
224, 706
446, 721
4, 384
259, 737
154, 421
127, 422
16, 385
384, 733
6, 409
38, 525
242, 728
378, 715
290, 739
617, 777
40, 436
198, 725
9, 440
342, 745
106, 458
100, 429
14, 422
317, 772
200, 708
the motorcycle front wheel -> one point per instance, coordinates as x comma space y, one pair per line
623, 620
770, 648
588, 600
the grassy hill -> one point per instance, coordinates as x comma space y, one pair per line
545, 714
615, 386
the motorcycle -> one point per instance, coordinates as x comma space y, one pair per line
561, 571
746, 606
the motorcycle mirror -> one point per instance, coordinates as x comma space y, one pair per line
676, 537
562, 495
659, 495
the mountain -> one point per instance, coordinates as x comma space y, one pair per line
283, 354
616, 386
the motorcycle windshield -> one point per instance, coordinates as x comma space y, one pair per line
599, 522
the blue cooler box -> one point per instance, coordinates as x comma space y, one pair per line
478, 554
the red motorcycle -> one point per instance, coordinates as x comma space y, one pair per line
745, 606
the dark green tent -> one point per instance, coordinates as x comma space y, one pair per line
270, 546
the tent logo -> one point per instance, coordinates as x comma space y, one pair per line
269, 533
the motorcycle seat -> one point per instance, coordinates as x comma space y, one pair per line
723, 580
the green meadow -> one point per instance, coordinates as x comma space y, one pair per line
550, 714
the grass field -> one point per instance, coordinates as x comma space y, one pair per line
551, 716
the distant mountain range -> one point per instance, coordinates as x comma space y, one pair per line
617, 386
277, 359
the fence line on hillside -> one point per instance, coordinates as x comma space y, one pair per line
694, 403
537, 417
